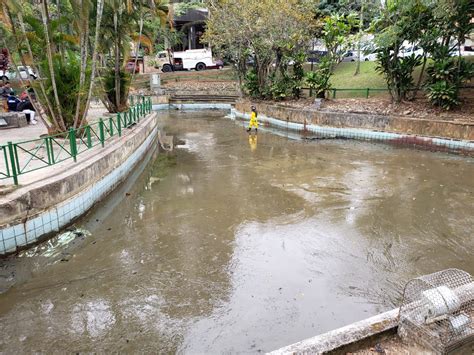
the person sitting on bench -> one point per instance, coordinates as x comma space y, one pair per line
15, 105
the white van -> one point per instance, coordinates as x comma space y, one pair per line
198, 59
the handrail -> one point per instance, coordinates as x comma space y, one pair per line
25, 156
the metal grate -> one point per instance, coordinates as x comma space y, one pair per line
438, 310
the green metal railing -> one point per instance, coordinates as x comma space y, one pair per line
365, 91
26, 156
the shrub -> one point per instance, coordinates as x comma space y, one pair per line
318, 81
443, 94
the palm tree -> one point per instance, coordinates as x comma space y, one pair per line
100, 8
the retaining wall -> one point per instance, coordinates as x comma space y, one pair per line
416, 126
36, 211
437, 135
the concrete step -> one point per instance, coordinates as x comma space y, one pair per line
3, 123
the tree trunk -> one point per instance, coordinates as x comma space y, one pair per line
420, 77
361, 25
58, 9
58, 125
84, 56
137, 45
100, 7
44, 14
82, 75
117, 61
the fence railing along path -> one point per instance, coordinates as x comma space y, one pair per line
19, 158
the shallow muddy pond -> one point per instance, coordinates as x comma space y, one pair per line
233, 243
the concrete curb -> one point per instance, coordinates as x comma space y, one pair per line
340, 337
72, 193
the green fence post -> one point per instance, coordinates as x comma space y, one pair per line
367, 93
48, 150
101, 132
119, 124
111, 127
131, 100
72, 143
333, 93
50, 141
13, 163
89, 137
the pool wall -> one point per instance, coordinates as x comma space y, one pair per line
34, 212
331, 130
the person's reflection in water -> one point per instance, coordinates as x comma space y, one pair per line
253, 142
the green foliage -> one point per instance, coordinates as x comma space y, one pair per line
182, 7
445, 76
442, 93
398, 72
109, 88
280, 87
251, 84
67, 74
439, 28
298, 75
272, 32
318, 81
336, 35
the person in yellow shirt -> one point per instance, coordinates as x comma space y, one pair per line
253, 120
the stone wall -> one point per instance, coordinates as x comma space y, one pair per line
404, 125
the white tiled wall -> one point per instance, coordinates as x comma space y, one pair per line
62, 214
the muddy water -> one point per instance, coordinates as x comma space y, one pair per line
231, 244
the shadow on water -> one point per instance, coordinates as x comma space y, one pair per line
242, 243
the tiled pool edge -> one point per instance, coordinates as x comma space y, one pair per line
40, 226
459, 146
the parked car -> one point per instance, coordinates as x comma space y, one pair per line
130, 67
25, 73
408, 51
351, 56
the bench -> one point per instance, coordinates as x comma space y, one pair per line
12, 119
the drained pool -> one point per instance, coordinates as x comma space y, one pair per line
238, 243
